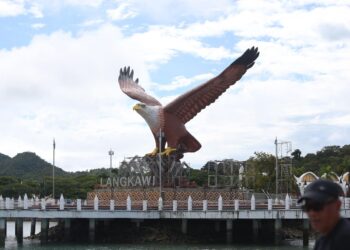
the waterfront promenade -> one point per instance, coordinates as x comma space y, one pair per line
227, 211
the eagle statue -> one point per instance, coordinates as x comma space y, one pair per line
167, 123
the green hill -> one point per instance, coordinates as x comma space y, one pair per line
27, 165
3, 158
30, 174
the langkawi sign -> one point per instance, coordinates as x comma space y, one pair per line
130, 181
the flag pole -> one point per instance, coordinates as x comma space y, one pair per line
160, 162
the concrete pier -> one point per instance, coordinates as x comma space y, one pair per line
217, 226
137, 223
2, 232
67, 231
32, 226
107, 224
44, 231
256, 224
229, 227
92, 227
306, 228
184, 226
278, 231
19, 230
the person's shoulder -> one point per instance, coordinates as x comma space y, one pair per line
345, 225
342, 234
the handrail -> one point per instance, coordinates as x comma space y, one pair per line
144, 205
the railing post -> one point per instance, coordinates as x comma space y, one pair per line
220, 203
252, 202
96, 203
19, 202
25, 201
7, 203
286, 202
342, 202
347, 202
128, 203
205, 205
160, 204
1, 202
189, 203
269, 204
111, 205
12, 203
78, 204
61, 202
277, 201
37, 201
43, 204
144, 205
236, 205
174, 205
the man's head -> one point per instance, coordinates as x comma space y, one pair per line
322, 204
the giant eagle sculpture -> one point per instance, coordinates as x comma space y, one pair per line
169, 122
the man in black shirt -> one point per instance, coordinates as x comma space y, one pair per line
322, 204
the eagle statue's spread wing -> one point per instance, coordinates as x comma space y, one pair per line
188, 105
133, 89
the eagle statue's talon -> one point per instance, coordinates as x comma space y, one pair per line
168, 151
153, 153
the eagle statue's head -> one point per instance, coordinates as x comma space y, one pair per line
152, 115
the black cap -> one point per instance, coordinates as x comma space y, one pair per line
322, 191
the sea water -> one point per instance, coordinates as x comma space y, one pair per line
28, 244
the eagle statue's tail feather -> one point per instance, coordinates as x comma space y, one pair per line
189, 143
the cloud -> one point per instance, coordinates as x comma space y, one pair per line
122, 12
38, 25
56, 95
335, 32
68, 89
92, 22
36, 11
181, 81
168, 11
20, 7
11, 8
65, 86
89, 3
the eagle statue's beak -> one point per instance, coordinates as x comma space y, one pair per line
136, 107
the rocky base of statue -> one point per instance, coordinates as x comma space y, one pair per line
167, 169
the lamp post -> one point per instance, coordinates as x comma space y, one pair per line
111, 153
53, 169
276, 166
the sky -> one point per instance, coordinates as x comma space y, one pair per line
60, 61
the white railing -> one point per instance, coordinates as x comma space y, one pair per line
160, 205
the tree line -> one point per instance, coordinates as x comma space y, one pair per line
34, 174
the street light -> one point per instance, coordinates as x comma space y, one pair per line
53, 169
111, 153
276, 166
